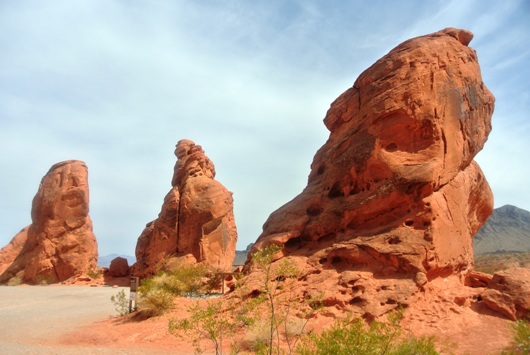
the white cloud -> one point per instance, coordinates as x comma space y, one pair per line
117, 84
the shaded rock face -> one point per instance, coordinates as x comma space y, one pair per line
119, 267
394, 196
196, 223
59, 243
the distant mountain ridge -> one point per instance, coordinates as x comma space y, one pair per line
507, 230
241, 255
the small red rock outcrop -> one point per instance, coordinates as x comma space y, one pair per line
508, 292
119, 267
196, 223
59, 244
394, 196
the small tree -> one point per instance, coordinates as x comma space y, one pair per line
278, 280
210, 323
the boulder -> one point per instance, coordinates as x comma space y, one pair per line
119, 267
196, 223
394, 196
59, 244
508, 292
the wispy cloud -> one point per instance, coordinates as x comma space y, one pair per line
117, 84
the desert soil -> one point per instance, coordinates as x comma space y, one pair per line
75, 320
80, 320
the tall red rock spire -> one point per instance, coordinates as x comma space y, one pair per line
196, 223
59, 244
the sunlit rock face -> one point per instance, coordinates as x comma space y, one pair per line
59, 244
394, 196
196, 223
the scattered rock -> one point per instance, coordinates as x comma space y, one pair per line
59, 244
508, 292
119, 267
394, 196
196, 223
477, 279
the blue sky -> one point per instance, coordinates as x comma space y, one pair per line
117, 83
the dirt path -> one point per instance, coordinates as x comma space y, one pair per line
44, 319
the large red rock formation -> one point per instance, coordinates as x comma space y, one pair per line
394, 196
59, 243
196, 223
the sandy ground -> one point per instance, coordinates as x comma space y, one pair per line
67, 320
80, 320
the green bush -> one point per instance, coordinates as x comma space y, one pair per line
521, 339
182, 280
121, 303
353, 336
94, 273
155, 303
156, 294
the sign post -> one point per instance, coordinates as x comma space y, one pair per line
133, 295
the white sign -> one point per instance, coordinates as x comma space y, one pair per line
133, 296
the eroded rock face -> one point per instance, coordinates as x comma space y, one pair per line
196, 223
119, 267
508, 293
59, 243
394, 196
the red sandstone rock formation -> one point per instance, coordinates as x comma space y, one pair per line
196, 223
9, 253
59, 243
119, 267
508, 292
394, 196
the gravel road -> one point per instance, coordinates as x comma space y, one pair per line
31, 315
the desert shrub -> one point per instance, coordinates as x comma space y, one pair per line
121, 303
94, 273
156, 294
182, 280
353, 336
257, 337
15, 281
521, 339
208, 322
155, 303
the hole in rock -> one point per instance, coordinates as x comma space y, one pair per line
356, 300
357, 288
293, 242
335, 191
391, 301
314, 210
426, 223
409, 222
320, 170
394, 240
392, 147
336, 260
323, 261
